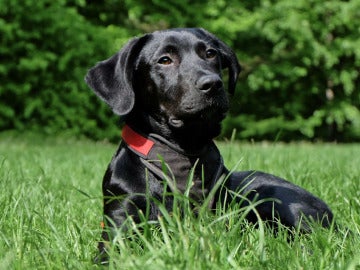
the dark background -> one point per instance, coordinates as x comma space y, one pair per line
301, 63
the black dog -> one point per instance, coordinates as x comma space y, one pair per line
167, 86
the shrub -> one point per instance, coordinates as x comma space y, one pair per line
46, 48
301, 71
301, 62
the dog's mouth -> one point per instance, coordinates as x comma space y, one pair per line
205, 116
175, 122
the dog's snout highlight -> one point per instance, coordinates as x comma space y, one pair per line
209, 82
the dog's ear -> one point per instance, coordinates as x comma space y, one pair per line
111, 79
228, 59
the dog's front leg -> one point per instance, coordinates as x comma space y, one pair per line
118, 211
129, 193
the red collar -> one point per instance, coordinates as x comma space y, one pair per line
136, 142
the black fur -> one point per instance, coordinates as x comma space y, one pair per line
169, 83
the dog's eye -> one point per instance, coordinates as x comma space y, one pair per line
211, 53
165, 60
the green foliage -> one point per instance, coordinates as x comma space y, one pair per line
46, 49
301, 62
301, 72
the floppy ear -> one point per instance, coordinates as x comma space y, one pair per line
228, 59
112, 79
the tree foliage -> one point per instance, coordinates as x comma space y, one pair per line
301, 62
302, 72
46, 48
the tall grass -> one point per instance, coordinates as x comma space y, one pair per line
52, 207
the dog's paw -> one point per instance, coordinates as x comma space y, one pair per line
102, 258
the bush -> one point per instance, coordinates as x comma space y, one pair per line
46, 48
301, 62
301, 71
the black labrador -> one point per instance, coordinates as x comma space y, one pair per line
168, 88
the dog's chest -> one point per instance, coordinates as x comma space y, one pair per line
182, 172
197, 173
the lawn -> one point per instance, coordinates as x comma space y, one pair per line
51, 211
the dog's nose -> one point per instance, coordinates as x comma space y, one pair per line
209, 82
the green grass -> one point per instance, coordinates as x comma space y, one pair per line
51, 211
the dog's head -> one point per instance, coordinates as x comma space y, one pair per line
172, 77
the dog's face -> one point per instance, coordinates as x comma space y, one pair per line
172, 77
